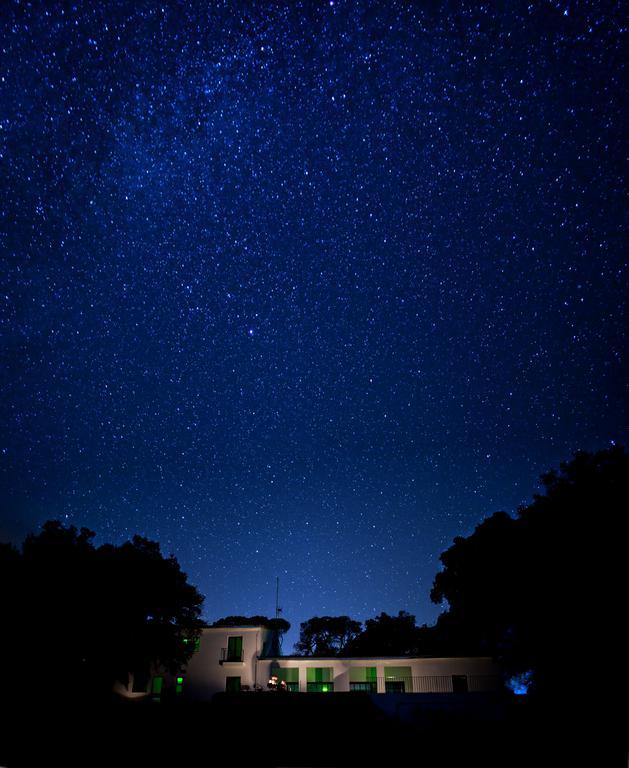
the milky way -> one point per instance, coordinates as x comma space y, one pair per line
306, 290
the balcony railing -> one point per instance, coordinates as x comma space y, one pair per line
424, 684
320, 687
440, 683
366, 687
228, 657
399, 684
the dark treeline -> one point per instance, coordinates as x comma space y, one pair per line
540, 591
342, 636
279, 625
79, 617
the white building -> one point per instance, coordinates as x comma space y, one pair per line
236, 659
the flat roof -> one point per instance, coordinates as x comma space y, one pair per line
246, 626
365, 658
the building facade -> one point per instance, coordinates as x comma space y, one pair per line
243, 659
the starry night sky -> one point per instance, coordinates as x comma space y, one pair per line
307, 289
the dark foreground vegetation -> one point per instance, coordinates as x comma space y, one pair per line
301, 730
84, 616
542, 592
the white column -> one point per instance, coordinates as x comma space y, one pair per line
380, 677
303, 679
341, 677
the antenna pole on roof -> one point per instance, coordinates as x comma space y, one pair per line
278, 610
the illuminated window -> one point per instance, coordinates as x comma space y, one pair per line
398, 680
179, 685
319, 680
156, 687
290, 676
363, 679
234, 649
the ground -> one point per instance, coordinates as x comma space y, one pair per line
272, 729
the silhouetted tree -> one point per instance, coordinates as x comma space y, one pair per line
326, 635
386, 636
150, 604
91, 615
278, 626
478, 581
541, 591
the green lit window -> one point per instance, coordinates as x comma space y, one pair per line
363, 679
179, 685
320, 687
157, 685
232, 684
319, 680
234, 649
290, 675
398, 680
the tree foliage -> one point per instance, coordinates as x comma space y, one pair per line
534, 590
279, 625
94, 614
326, 635
387, 636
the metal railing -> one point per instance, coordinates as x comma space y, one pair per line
225, 656
365, 687
399, 684
417, 684
320, 687
439, 683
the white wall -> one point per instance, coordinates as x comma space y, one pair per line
429, 675
206, 675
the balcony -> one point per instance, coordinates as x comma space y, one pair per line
320, 687
229, 656
370, 686
417, 684
439, 684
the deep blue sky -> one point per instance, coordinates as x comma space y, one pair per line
306, 289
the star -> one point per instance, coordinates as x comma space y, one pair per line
370, 246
